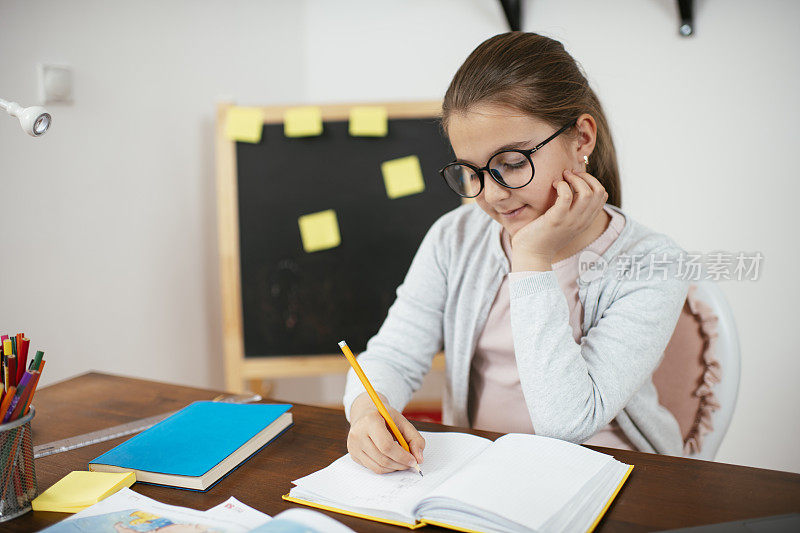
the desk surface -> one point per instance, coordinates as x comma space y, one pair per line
661, 492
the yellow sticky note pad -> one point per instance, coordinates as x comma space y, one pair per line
302, 122
402, 176
369, 121
319, 231
244, 124
78, 490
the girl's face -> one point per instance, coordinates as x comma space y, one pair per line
484, 130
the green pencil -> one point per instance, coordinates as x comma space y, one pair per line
37, 360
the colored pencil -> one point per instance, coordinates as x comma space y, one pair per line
18, 382
22, 357
24, 401
7, 350
26, 378
12, 369
36, 360
7, 399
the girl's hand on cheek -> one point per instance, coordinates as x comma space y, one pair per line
574, 210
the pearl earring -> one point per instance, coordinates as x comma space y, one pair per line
586, 159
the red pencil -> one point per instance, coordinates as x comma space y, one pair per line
22, 357
12, 369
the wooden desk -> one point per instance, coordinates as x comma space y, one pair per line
661, 492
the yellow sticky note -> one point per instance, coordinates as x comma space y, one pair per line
244, 124
78, 490
402, 176
302, 121
319, 231
369, 121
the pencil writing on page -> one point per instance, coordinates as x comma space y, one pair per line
375, 398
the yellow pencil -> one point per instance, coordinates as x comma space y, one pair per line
375, 398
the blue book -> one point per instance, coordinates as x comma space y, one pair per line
195, 447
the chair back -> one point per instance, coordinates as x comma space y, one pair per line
698, 378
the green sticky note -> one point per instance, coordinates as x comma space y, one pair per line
402, 176
244, 124
369, 121
319, 231
302, 122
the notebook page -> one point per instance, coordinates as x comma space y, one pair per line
355, 486
596, 504
524, 478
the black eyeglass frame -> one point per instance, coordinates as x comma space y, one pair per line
480, 171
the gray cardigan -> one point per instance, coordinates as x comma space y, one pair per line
571, 390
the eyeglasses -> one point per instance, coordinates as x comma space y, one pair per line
512, 169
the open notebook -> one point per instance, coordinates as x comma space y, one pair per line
516, 483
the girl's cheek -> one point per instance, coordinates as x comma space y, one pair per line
542, 197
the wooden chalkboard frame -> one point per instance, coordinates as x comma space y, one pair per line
247, 372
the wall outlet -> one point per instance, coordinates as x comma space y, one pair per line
55, 84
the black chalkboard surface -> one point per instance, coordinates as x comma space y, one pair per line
298, 303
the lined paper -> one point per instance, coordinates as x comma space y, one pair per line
353, 485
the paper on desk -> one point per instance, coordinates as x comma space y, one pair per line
140, 513
236, 511
302, 521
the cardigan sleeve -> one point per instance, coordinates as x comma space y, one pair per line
572, 390
399, 356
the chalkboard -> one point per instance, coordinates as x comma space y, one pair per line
298, 303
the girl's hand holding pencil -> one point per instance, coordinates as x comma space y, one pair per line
371, 444
374, 428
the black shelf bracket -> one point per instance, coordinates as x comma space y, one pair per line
686, 9
513, 11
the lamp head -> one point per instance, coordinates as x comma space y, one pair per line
34, 120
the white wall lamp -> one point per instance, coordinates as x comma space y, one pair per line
34, 120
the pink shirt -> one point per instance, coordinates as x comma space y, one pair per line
496, 402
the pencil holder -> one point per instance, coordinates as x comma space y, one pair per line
18, 482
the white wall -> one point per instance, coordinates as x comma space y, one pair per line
113, 231
113, 226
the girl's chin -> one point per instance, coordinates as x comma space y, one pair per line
512, 228
515, 224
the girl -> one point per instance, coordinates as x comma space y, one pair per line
553, 305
